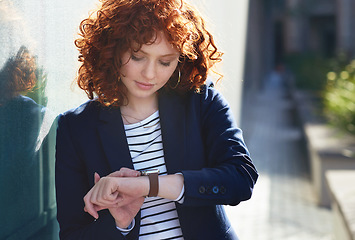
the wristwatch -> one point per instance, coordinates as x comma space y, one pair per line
153, 181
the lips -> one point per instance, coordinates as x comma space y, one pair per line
144, 86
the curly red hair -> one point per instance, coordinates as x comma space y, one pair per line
119, 25
18, 74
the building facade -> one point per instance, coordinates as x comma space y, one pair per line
278, 28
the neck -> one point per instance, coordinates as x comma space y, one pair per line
138, 109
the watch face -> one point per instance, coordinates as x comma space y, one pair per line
150, 171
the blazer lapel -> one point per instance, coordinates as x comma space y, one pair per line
172, 120
113, 138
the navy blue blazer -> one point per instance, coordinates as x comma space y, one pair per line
200, 140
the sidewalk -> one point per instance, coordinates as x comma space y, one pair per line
283, 204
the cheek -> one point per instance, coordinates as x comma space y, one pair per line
170, 71
126, 64
128, 69
165, 75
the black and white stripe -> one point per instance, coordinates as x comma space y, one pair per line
159, 219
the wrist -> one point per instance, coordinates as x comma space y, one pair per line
144, 183
134, 186
171, 186
126, 227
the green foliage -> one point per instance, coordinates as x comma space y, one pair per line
339, 97
309, 70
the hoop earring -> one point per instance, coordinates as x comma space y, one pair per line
178, 81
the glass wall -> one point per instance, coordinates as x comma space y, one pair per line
38, 63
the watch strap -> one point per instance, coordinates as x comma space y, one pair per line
153, 184
153, 175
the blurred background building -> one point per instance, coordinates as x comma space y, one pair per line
280, 28
299, 90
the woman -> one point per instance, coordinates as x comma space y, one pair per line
144, 68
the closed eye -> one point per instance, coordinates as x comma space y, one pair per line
166, 64
135, 58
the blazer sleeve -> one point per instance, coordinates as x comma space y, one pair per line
229, 175
72, 184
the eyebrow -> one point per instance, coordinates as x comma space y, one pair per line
165, 55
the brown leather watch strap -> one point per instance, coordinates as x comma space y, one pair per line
153, 184
153, 175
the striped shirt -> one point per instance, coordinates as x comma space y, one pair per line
159, 218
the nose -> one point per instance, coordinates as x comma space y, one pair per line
149, 70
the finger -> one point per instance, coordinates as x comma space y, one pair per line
125, 172
115, 174
127, 200
89, 207
97, 208
96, 177
119, 198
106, 200
106, 192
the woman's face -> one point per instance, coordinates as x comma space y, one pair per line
146, 71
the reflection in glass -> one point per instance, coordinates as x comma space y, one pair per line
26, 152
20, 163
38, 65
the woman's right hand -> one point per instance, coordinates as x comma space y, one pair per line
123, 193
128, 206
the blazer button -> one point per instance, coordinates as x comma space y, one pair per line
215, 189
222, 190
202, 190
